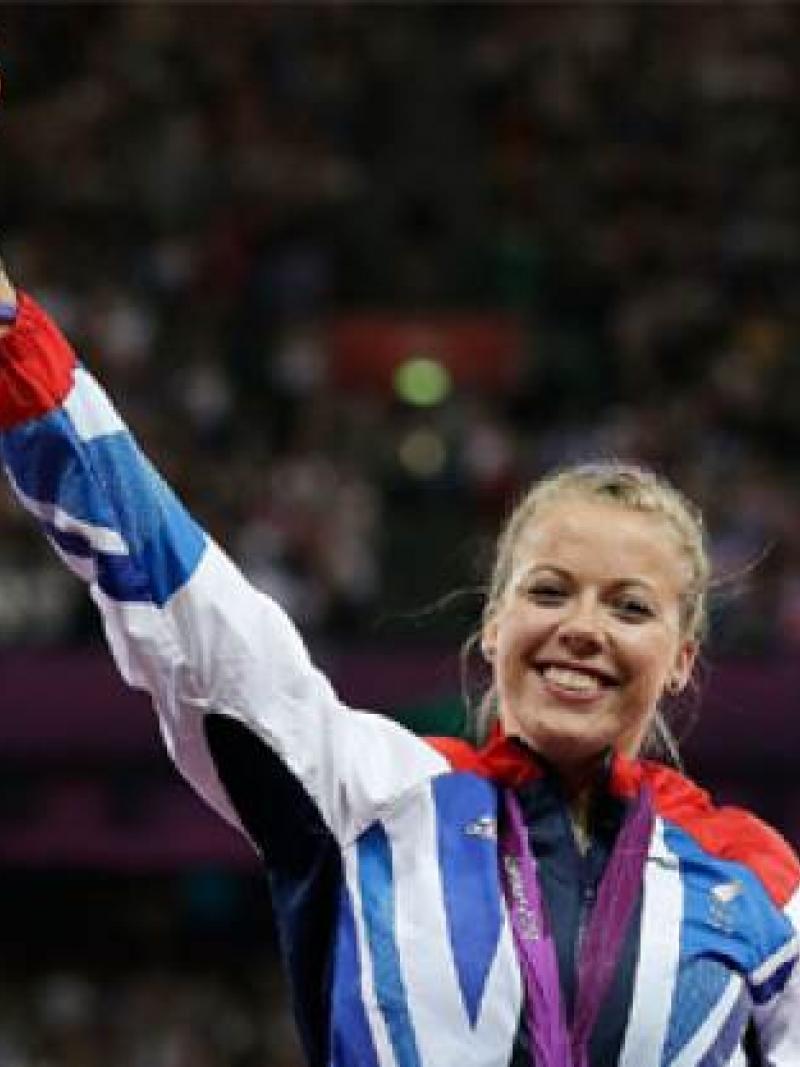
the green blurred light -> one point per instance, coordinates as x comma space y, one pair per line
422, 381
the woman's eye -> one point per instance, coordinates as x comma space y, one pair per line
634, 610
546, 594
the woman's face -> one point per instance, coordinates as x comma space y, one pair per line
588, 634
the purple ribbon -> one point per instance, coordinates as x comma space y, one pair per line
8, 313
554, 1042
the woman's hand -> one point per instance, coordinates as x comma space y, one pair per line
8, 300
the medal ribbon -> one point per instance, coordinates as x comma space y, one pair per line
554, 1042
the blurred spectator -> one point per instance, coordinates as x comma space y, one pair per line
156, 1018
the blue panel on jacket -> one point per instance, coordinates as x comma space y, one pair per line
467, 833
107, 484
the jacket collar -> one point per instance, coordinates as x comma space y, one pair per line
511, 762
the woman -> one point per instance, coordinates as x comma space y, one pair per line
548, 899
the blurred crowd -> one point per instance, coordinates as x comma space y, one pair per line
141, 971
196, 192
158, 1018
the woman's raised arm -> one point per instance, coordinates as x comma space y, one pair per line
181, 620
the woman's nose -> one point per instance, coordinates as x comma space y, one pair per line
580, 632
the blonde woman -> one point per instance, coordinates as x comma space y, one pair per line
551, 898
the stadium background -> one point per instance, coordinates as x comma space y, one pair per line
356, 274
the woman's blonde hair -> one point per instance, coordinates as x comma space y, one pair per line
637, 489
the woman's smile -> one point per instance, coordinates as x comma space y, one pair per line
573, 683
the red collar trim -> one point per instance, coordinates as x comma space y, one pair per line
510, 762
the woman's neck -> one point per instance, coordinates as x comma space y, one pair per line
580, 814
580, 785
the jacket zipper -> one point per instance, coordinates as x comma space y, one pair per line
588, 895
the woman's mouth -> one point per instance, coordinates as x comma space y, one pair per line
573, 682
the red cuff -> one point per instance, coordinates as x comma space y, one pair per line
36, 366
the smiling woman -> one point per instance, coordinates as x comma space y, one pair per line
549, 899
597, 602
587, 624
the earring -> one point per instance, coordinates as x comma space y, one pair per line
674, 687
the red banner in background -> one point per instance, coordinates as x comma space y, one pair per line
480, 351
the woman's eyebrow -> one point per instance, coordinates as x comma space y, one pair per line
636, 583
632, 582
539, 568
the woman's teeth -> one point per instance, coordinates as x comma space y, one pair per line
571, 679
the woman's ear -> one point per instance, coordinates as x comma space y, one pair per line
683, 667
489, 639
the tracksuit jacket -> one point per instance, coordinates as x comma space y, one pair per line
381, 847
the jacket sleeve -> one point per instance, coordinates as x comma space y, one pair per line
180, 619
777, 1018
